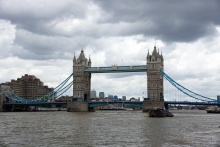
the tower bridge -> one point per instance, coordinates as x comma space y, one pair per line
82, 71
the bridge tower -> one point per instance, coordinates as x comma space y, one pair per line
81, 84
155, 63
81, 80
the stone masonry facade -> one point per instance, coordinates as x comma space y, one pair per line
155, 63
81, 80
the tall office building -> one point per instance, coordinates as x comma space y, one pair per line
218, 97
93, 94
115, 98
101, 95
124, 98
110, 97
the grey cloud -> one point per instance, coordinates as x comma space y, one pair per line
170, 21
35, 15
41, 47
181, 21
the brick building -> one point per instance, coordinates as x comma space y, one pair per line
29, 86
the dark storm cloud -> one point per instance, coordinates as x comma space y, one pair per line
181, 21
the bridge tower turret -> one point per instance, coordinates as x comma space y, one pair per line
81, 80
155, 63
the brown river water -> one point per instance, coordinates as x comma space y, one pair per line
109, 128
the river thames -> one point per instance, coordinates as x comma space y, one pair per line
109, 128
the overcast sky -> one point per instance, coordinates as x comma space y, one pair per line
40, 37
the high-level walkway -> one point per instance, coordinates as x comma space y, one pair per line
115, 68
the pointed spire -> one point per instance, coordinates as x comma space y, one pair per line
148, 54
81, 56
89, 63
161, 55
74, 58
89, 59
154, 52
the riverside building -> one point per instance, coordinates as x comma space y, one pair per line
29, 86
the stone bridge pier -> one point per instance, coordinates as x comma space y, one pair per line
148, 105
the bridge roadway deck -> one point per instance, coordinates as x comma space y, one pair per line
115, 68
94, 104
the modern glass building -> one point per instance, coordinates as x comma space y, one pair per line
101, 95
93, 94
